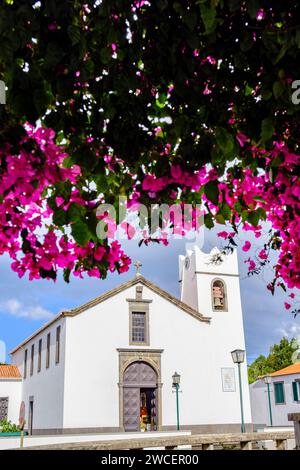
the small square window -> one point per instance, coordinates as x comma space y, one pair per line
138, 327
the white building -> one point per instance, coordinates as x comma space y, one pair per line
10, 392
284, 397
100, 366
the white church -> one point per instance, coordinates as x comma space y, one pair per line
108, 365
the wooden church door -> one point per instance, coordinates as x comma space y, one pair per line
137, 376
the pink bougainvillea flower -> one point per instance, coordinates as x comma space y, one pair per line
242, 139
59, 201
99, 253
128, 229
246, 246
260, 15
263, 254
252, 265
225, 235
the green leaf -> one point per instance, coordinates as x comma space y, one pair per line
74, 34
225, 211
105, 55
278, 89
261, 213
224, 140
248, 90
211, 190
208, 221
54, 54
238, 207
68, 162
75, 212
267, 129
66, 275
247, 42
80, 232
281, 53
220, 219
208, 15
59, 217
161, 101
245, 215
190, 19
253, 218
47, 273
266, 94
252, 7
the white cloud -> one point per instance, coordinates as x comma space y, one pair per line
15, 308
2, 351
290, 331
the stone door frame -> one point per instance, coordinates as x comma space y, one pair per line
151, 357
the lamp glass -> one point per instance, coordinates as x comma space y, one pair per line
268, 379
238, 356
176, 378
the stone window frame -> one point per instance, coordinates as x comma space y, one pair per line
139, 306
225, 309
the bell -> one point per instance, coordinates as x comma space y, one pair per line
217, 302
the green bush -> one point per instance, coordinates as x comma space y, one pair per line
8, 426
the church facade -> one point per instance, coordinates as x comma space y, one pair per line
108, 365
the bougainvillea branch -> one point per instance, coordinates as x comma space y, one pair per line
162, 102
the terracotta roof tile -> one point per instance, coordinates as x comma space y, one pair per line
293, 369
8, 371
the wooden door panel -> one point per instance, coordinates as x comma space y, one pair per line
131, 398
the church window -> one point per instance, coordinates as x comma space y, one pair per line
139, 318
48, 351
57, 347
25, 363
32, 359
40, 356
138, 327
219, 297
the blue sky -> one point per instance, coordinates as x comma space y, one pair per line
26, 305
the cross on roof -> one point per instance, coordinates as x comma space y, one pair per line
137, 266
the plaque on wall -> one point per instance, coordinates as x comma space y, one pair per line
228, 379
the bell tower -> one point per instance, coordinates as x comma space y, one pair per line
209, 282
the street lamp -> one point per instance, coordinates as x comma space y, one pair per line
175, 384
238, 356
268, 381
